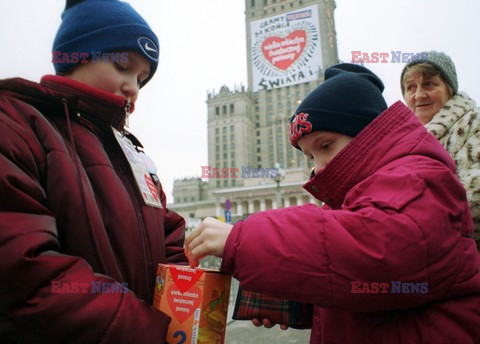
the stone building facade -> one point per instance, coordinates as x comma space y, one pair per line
251, 165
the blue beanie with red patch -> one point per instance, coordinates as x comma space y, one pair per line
347, 101
91, 28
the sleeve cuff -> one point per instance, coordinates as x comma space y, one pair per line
228, 262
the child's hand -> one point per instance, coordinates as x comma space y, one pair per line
207, 239
267, 324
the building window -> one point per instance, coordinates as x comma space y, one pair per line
217, 110
217, 131
258, 132
252, 3
232, 108
258, 149
224, 130
224, 110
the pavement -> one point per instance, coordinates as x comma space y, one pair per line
244, 332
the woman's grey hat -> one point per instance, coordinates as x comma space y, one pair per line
439, 60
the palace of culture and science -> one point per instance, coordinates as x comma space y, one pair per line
251, 164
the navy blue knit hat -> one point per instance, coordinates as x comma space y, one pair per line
346, 102
102, 26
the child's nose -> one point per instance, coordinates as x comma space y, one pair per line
130, 90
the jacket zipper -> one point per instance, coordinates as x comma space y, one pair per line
133, 191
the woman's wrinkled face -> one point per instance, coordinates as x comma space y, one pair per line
322, 146
425, 96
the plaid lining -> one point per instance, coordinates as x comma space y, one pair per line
250, 305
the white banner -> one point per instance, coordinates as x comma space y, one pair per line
286, 49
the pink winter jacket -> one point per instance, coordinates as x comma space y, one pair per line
389, 259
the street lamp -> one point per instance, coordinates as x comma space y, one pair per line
278, 178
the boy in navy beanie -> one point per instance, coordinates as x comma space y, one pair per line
393, 240
92, 28
85, 221
346, 102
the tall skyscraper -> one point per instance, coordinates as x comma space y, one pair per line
251, 164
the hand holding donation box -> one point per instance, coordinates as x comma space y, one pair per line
197, 301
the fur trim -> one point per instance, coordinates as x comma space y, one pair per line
457, 127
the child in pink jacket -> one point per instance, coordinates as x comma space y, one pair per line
390, 257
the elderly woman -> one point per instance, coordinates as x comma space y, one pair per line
430, 89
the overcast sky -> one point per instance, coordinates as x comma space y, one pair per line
203, 47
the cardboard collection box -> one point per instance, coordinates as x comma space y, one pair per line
197, 301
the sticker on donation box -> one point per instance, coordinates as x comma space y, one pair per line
140, 170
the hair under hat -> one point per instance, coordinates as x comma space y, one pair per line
104, 26
442, 62
346, 102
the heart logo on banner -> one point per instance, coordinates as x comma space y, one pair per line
282, 52
151, 186
183, 306
185, 277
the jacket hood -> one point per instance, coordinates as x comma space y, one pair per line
393, 134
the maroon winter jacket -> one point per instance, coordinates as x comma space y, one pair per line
72, 220
390, 259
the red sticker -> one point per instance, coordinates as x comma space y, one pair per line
151, 186
185, 277
282, 52
183, 304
